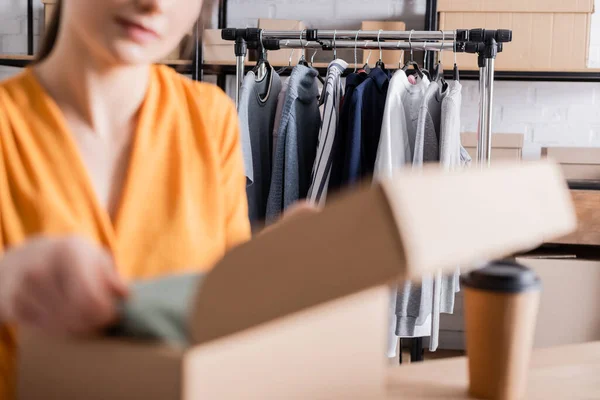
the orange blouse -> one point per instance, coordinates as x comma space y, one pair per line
183, 204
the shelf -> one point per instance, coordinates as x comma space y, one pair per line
584, 185
533, 76
592, 76
15, 60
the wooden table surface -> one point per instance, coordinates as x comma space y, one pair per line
571, 372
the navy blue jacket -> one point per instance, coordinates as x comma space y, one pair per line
357, 140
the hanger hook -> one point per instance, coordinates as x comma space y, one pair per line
262, 46
454, 47
334, 45
302, 57
401, 60
442, 47
291, 54
356, 51
370, 52
412, 57
312, 59
379, 43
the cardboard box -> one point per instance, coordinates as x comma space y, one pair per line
390, 57
282, 57
49, 6
216, 50
300, 312
536, 6
578, 163
505, 146
547, 36
570, 303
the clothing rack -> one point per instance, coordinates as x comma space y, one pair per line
485, 43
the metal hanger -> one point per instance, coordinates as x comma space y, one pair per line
282, 70
438, 71
380, 63
312, 59
455, 73
425, 70
262, 68
366, 67
334, 45
302, 60
401, 60
411, 62
356, 52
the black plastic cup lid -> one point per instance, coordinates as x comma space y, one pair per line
503, 276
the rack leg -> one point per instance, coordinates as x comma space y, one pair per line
489, 81
416, 351
30, 27
482, 131
239, 79
400, 351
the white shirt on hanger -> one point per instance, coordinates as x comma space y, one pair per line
396, 149
398, 132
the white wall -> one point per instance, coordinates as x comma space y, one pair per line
559, 114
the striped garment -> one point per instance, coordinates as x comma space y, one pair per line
331, 99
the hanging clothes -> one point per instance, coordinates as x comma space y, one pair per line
427, 147
452, 154
398, 131
279, 112
437, 292
340, 144
396, 149
365, 110
258, 104
331, 99
297, 141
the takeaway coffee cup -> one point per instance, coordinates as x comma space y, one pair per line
501, 304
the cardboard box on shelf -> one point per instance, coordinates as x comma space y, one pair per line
390, 57
570, 304
266, 321
536, 6
216, 50
49, 6
505, 146
281, 58
547, 36
578, 163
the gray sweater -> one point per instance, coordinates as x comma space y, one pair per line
297, 141
435, 295
258, 105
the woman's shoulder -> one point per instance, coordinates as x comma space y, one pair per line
206, 96
17, 88
210, 112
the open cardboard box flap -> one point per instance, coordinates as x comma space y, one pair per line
400, 229
301, 311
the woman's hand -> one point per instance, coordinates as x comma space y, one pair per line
59, 285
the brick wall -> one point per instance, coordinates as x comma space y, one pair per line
560, 114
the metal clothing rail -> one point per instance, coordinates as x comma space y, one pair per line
363, 35
485, 43
364, 45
